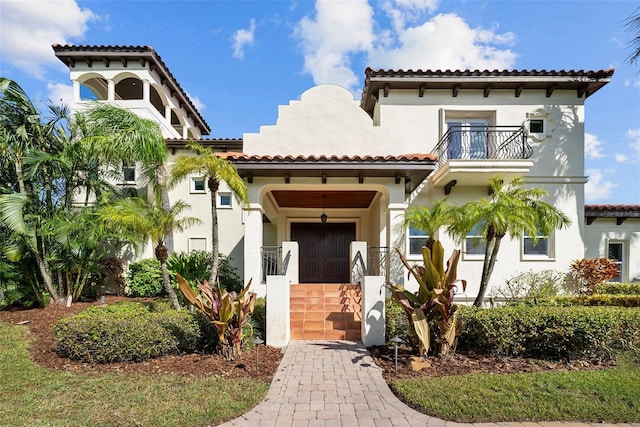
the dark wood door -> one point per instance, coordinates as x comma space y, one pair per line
324, 251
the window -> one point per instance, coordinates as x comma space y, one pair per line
475, 242
533, 248
224, 200
129, 173
197, 185
536, 125
417, 239
616, 254
197, 244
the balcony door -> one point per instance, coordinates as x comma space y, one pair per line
467, 138
324, 251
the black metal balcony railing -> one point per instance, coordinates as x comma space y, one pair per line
483, 142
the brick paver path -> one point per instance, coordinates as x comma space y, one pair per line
336, 383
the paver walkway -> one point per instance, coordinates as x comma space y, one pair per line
336, 383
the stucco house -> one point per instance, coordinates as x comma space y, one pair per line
330, 180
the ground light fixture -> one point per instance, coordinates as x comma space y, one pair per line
396, 341
257, 341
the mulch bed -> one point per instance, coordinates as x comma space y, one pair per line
40, 320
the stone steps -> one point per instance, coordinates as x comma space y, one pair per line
325, 312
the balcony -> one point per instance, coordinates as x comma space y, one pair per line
470, 155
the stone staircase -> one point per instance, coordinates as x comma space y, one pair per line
325, 312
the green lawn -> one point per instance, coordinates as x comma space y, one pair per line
609, 396
35, 396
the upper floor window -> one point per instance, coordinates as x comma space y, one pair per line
416, 240
224, 200
129, 173
197, 185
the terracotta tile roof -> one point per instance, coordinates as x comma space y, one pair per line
585, 83
613, 208
69, 54
416, 157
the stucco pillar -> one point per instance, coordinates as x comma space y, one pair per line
76, 91
167, 113
396, 232
373, 321
146, 91
252, 242
278, 311
111, 90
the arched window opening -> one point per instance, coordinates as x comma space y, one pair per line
94, 89
175, 122
156, 101
129, 88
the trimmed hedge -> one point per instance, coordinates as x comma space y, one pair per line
599, 300
618, 289
557, 333
131, 332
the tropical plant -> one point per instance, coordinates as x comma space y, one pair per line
215, 169
228, 311
145, 278
149, 221
510, 210
632, 24
193, 266
433, 303
589, 273
429, 219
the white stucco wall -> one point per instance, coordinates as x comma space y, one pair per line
604, 230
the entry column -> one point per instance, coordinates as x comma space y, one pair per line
253, 244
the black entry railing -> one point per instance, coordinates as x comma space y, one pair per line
483, 142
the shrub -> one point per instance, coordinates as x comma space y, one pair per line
145, 279
258, 318
129, 332
602, 300
531, 287
589, 273
558, 333
618, 289
194, 266
228, 276
396, 321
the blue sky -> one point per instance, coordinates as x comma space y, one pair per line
239, 60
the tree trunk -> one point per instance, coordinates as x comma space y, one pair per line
215, 248
490, 258
162, 255
165, 202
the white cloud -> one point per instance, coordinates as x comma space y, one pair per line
343, 30
196, 102
597, 188
432, 45
634, 136
621, 158
592, 146
59, 93
243, 38
340, 28
30, 27
402, 11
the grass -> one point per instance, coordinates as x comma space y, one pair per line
608, 396
36, 396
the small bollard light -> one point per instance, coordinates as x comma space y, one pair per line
257, 341
101, 299
396, 341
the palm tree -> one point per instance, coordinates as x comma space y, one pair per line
429, 219
215, 169
149, 221
633, 26
511, 210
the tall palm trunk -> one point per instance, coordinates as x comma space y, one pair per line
487, 268
164, 200
215, 248
162, 255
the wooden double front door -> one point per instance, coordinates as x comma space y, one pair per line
324, 251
